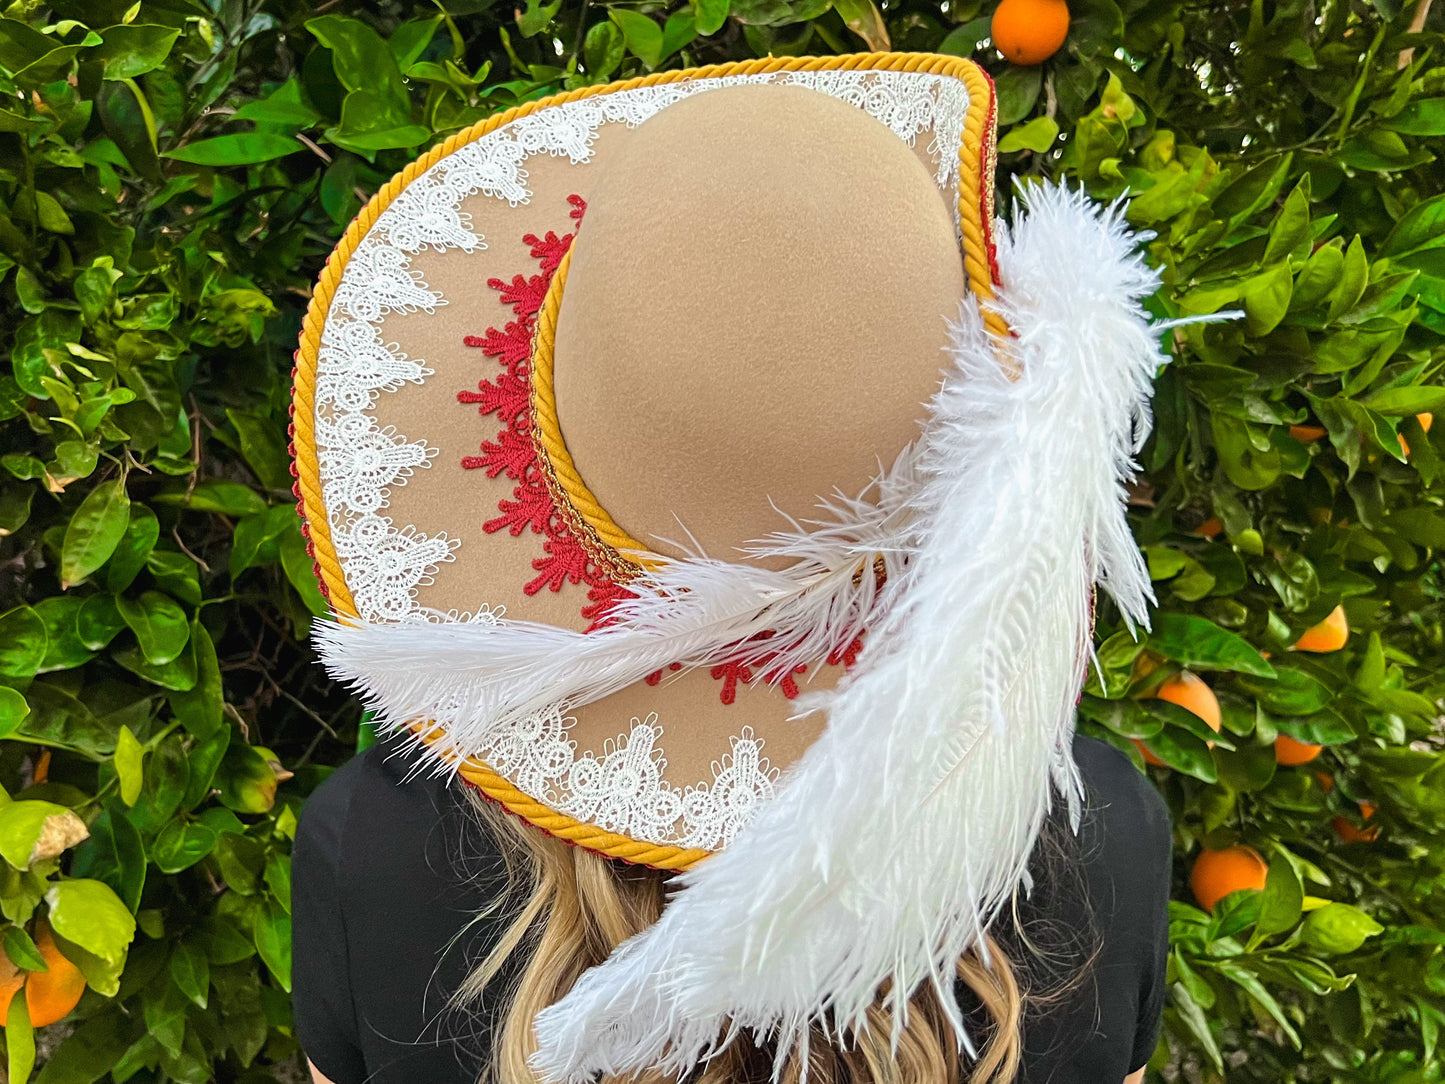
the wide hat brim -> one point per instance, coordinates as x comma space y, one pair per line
412, 511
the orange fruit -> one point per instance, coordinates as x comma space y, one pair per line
1426, 420
1329, 635
1367, 808
1190, 692
11, 979
1028, 32
52, 994
1288, 751
1326, 781
1351, 833
1218, 873
1211, 528
1307, 434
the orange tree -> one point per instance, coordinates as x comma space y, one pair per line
172, 175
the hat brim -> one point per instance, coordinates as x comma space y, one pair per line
380, 556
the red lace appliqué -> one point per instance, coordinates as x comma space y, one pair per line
509, 397
512, 453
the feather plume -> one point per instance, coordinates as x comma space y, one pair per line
904, 828
474, 678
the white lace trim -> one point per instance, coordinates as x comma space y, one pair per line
623, 789
384, 565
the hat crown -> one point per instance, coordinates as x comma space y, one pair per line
755, 311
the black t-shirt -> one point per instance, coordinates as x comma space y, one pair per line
390, 871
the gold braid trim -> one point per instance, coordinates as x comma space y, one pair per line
973, 205
589, 522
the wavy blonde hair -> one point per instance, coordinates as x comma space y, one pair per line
569, 908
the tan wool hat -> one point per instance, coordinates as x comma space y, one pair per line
664, 451
445, 467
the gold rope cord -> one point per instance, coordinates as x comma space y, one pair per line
596, 531
973, 206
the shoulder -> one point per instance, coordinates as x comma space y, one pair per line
385, 814
1127, 812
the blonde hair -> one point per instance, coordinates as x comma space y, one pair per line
570, 908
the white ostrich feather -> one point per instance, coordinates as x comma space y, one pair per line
904, 828
473, 678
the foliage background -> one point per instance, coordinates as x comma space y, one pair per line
172, 176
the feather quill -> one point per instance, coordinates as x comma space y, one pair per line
904, 828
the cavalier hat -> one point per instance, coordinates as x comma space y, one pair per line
694, 466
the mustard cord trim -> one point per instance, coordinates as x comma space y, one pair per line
595, 529
972, 203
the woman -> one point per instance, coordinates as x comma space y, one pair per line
773, 322
391, 872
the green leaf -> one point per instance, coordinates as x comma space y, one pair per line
24, 642
180, 846
90, 1051
1338, 928
1421, 227
1250, 983
278, 878
94, 531
711, 14
159, 624
679, 30
1037, 135
864, 19
115, 855
262, 449
362, 61
129, 758
236, 149
273, 941
603, 50
1199, 644
1266, 299
1017, 89
1417, 399
13, 710
1423, 117
134, 49
227, 498
89, 914
201, 709
298, 566
22, 950
98, 621
1290, 692
1290, 226
141, 532
246, 780
191, 972
1354, 277
34, 831
1184, 752
176, 574
60, 720
1282, 903
538, 14
204, 761
51, 215
19, 1042
409, 40
643, 35
1197, 1023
